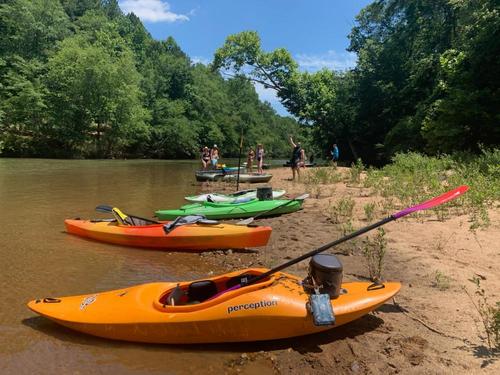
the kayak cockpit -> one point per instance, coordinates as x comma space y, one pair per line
200, 294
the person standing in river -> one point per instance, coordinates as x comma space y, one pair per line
260, 158
250, 157
205, 157
297, 155
214, 156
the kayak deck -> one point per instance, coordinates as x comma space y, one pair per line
228, 210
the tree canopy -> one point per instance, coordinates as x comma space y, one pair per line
82, 79
426, 79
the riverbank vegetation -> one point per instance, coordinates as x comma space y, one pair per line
413, 178
81, 79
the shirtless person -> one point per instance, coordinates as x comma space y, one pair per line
250, 156
297, 157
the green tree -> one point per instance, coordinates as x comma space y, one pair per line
94, 97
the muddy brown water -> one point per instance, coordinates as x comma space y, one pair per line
38, 259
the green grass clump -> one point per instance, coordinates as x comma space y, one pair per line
369, 209
374, 253
315, 178
355, 172
441, 281
342, 210
489, 313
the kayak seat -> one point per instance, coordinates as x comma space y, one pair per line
174, 298
200, 291
139, 221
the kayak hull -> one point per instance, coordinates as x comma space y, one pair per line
273, 309
194, 237
231, 210
215, 197
215, 174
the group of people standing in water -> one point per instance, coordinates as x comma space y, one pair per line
257, 155
210, 157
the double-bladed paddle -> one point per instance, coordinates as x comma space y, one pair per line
120, 216
266, 213
444, 198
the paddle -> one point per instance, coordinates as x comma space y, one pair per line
444, 198
120, 216
266, 213
239, 162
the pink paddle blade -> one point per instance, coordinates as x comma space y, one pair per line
444, 198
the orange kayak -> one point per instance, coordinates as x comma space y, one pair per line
186, 237
273, 308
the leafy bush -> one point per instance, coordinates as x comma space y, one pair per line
374, 252
369, 209
441, 281
342, 210
489, 313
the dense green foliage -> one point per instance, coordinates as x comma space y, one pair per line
427, 79
81, 79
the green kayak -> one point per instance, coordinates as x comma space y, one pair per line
232, 210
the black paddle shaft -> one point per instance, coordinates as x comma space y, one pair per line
239, 162
319, 250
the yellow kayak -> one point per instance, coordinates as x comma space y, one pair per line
205, 311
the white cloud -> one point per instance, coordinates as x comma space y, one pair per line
200, 60
331, 60
151, 10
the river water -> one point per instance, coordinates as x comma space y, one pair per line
39, 259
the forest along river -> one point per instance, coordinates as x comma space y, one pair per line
38, 259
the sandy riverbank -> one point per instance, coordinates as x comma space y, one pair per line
432, 328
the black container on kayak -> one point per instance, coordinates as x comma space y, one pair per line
325, 272
265, 193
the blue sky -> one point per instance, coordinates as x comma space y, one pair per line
315, 31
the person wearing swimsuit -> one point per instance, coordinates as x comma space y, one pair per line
260, 158
205, 157
250, 156
297, 155
214, 156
